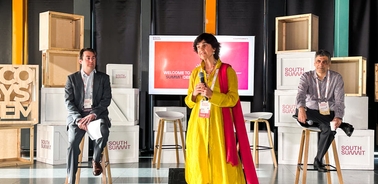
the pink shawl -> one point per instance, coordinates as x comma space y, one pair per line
241, 133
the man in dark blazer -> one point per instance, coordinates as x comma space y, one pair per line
87, 97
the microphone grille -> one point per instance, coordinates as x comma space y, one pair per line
201, 75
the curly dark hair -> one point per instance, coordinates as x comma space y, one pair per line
210, 39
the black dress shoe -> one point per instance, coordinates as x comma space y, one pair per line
319, 166
347, 128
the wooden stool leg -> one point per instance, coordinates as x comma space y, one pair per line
329, 181
156, 142
297, 174
182, 140
271, 143
255, 142
176, 142
160, 143
307, 144
337, 162
105, 164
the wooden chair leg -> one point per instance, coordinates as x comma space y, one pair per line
176, 142
160, 143
307, 139
271, 143
157, 142
329, 181
337, 162
255, 143
182, 140
105, 164
297, 174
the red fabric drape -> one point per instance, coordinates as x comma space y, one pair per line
241, 133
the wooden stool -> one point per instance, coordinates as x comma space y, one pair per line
261, 117
169, 116
105, 164
305, 140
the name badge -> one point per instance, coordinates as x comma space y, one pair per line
204, 111
87, 103
324, 108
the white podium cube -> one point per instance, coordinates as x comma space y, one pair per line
284, 107
121, 75
356, 111
124, 107
290, 67
52, 144
355, 152
53, 107
123, 144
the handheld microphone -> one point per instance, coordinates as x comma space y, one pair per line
202, 79
310, 122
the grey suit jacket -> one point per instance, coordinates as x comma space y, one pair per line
74, 97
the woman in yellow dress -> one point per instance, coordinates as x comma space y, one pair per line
210, 156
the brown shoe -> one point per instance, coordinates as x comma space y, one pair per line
97, 169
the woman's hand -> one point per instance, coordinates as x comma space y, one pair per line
198, 89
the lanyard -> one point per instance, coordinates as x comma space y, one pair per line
327, 85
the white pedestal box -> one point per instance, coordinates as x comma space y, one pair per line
52, 144
289, 139
284, 107
290, 67
265, 156
123, 144
121, 75
169, 155
53, 107
356, 111
169, 127
355, 152
124, 108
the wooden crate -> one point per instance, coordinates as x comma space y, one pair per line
19, 92
297, 33
61, 31
353, 70
10, 144
57, 65
123, 144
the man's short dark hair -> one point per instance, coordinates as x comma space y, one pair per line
86, 49
322, 52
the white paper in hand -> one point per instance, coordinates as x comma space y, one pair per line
94, 131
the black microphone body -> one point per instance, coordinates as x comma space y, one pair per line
202, 79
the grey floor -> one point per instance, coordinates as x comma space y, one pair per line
144, 172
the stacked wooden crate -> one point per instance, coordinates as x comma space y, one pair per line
296, 45
61, 36
19, 91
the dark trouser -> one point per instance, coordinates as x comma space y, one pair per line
75, 135
325, 136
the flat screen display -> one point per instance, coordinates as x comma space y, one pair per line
172, 58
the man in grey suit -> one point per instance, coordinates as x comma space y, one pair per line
87, 97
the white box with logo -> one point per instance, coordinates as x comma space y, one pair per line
168, 126
355, 152
121, 75
284, 107
124, 107
265, 155
52, 144
246, 108
169, 155
123, 144
289, 139
290, 67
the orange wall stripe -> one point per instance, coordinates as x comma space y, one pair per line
210, 16
19, 31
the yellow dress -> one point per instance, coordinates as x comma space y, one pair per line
205, 144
